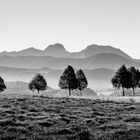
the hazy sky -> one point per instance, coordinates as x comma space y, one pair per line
74, 23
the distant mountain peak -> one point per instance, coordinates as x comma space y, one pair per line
56, 50
57, 46
31, 48
94, 49
96, 46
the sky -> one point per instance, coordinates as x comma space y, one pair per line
74, 23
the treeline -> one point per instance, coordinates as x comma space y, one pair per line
69, 80
126, 78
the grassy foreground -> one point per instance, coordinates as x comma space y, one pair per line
36, 118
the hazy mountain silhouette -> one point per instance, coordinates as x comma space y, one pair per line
25, 70
106, 60
109, 60
98, 49
55, 50
58, 50
98, 63
26, 52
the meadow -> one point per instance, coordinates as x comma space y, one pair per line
28, 117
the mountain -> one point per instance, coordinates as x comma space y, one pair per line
30, 51
58, 50
26, 52
98, 62
55, 50
109, 60
98, 49
106, 60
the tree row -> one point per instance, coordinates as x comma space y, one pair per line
126, 78
69, 81
123, 78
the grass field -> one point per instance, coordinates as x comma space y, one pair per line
38, 118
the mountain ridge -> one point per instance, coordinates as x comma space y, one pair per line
99, 63
58, 50
104, 60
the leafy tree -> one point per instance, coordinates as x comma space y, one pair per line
68, 80
38, 83
2, 85
115, 82
82, 80
122, 78
138, 77
135, 78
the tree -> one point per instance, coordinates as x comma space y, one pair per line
82, 80
135, 78
138, 78
38, 83
68, 80
122, 78
2, 85
115, 82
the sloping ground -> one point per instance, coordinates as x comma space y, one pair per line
36, 118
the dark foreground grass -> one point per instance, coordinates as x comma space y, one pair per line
35, 118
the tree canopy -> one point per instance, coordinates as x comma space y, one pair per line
82, 80
134, 78
2, 85
68, 79
126, 78
38, 83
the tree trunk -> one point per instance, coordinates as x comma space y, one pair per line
38, 91
69, 92
81, 92
133, 91
123, 91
